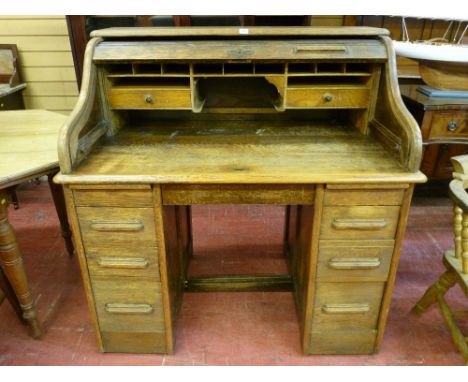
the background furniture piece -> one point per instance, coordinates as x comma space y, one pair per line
11, 84
11, 88
455, 260
444, 128
28, 150
310, 118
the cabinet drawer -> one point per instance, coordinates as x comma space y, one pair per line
359, 222
113, 197
128, 305
359, 197
111, 226
449, 125
354, 261
149, 97
347, 306
327, 98
121, 261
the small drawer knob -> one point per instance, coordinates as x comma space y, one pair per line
327, 97
149, 99
452, 126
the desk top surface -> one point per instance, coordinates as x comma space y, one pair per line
239, 152
28, 144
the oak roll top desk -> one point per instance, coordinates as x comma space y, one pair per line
308, 118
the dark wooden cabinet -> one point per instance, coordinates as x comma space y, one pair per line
444, 129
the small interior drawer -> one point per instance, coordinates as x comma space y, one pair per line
347, 306
150, 97
326, 97
128, 305
347, 260
359, 222
123, 261
108, 226
449, 125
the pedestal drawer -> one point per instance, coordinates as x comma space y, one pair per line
111, 197
342, 342
123, 261
110, 226
347, 306
128, 305
345, 260
130, 315
359, 222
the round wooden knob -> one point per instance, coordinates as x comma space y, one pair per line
327, 97
452, 126
149, 99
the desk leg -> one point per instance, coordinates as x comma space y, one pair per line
59, 201
12, 264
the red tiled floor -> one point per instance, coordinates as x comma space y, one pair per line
223, 328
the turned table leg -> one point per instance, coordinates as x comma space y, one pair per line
12, 264
59, 201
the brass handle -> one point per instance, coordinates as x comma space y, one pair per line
345, 308
123, 262
359, 224
128, 308
117, 226
452, 126
319, 49
149, 99
327, 97
354, 263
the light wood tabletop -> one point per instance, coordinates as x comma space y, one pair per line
28, 150
28, 144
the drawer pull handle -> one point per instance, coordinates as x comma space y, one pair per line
117, 226
123, 262
452, 126
149, 99
354, 263
345, 308
359, 224
129, 308
327, 97
318, 49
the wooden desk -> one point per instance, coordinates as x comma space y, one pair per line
28, 150
444, 128
310, 118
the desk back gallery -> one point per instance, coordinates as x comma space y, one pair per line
308, 118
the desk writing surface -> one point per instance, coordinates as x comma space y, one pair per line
240, 152
28, 143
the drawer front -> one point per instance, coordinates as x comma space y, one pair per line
182, 194
128, 305
342, 342
357, 197
112, 226
347, 306
359, 222
150, 98
121, 261
113, 198
327, 98
449, 125
354, 261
